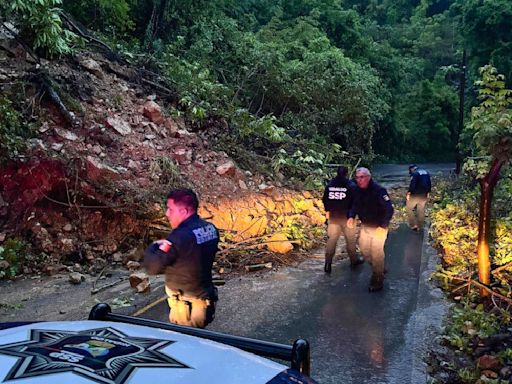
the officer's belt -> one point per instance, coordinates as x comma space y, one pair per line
193, 300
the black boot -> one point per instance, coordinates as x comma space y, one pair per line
376, 283
327, 267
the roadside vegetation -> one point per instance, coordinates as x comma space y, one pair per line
472, 228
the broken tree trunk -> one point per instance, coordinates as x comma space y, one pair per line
46, 85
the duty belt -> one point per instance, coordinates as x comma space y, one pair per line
193, 300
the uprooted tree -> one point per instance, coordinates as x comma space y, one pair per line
491, 132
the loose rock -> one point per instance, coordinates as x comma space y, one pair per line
76, 278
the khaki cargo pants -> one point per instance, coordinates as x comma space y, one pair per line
189, 311
416, 202
372, 248
336, 227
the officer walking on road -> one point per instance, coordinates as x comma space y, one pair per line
338, 197
186, 256
417, 196
374, 208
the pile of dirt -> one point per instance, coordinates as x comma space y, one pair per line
103, 159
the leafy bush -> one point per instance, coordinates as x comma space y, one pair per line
13, 130
454, 231
306, 166
39, 22
109, 16
468, 322
201, 94
13, 252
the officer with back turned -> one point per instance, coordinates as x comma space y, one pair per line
338, 197
417, 196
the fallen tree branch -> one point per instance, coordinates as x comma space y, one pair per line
161, 88
25, 46
137, 77
485, 288
109, 285
83, 34
45, 82
499, 269
82, 206
256, 267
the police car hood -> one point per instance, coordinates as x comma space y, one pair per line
116, 353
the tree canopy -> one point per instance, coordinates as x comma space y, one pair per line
375, 77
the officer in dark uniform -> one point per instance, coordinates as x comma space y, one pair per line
417, 196
187, 257
374, 208
338, 197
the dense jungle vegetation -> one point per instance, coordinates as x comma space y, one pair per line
302, 82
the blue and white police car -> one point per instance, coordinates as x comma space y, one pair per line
117, 349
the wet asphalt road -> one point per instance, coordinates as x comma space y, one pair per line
355, 336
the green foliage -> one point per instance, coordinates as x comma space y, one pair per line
13, 130
246, 124
364, 75
468, 322
13, 252
476, 168
305, 167
454, 230
121, 302
491, 121
40, 23
487, 31
431, 113
109, 16
467, 375
200, 93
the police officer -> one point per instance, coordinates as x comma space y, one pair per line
186, 256
417, 196
338, 197
373, 207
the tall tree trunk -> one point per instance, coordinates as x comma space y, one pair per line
487, 185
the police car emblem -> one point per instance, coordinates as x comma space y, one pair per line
104, 355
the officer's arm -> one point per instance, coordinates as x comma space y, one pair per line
325, 199
156, 259
385, 203
412, 184
354, 208
352, 212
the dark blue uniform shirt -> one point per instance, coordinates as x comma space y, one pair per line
372, 205
339, 196
420, 182
188, 263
